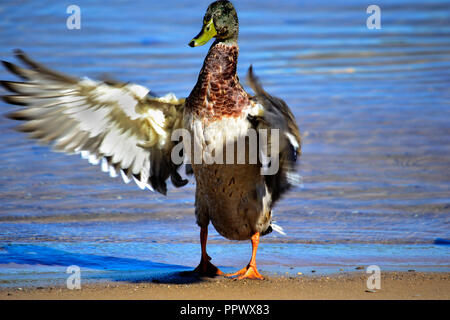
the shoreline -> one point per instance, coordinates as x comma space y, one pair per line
348, 286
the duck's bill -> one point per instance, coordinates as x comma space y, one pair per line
207, 33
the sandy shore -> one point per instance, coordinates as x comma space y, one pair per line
394, 285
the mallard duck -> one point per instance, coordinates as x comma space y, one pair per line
129, 131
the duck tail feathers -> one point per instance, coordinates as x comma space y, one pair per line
278, 229
254, 82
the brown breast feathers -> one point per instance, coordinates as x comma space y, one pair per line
218, 92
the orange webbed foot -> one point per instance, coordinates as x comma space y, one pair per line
249, 272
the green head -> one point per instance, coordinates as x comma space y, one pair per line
220, 21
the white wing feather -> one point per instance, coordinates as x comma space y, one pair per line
116, 124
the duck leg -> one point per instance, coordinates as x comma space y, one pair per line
250, 272
206, 268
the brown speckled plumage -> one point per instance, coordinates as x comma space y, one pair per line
218, 92
232, 198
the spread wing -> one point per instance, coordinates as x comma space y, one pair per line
119, 125
273, 113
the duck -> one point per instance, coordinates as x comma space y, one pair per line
241, 148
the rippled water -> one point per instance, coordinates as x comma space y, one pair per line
373, 107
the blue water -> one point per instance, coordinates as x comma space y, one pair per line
373, 107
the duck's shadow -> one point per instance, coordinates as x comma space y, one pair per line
98, 266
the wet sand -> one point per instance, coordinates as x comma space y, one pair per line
394, 285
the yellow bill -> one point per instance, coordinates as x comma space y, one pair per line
207, 33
